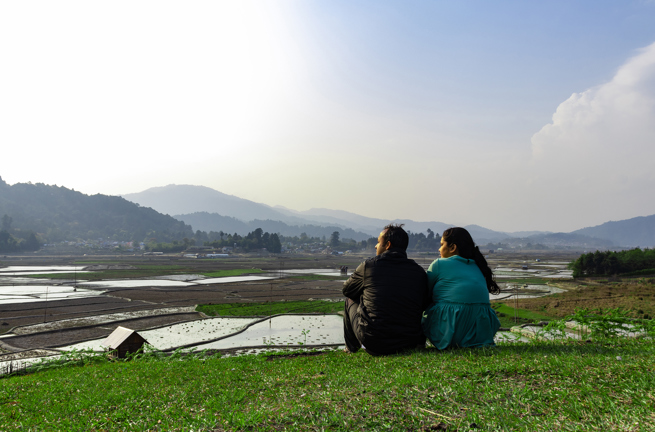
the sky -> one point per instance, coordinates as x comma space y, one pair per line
511, 115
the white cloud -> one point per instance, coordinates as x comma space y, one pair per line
596, 157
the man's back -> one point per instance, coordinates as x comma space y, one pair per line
391, 291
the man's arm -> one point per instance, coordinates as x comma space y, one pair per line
354, 286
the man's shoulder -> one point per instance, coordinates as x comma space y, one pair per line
396, 258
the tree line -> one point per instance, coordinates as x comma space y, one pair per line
611, 263
254, 240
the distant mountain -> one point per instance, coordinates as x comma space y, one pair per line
204, 221
190, 203
186, 199
58, 213
228, 211
564, 240
638, 231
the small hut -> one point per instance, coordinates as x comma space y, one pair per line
123, 341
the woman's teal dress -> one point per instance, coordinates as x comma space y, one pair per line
460, 314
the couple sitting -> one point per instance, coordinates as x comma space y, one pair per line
393, 305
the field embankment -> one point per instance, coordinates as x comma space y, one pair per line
637, 296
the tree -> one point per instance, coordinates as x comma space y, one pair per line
6, 223
7, 242
334, 239
31, 244
258, 237
274, 245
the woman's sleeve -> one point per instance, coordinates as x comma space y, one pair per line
433, 275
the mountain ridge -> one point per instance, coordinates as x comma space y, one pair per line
342, 220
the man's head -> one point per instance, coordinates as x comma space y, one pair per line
392, 236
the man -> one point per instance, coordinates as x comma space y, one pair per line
385, 298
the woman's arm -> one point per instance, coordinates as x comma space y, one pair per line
433, 275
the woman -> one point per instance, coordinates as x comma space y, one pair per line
460, 282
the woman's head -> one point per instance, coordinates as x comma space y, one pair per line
458, 241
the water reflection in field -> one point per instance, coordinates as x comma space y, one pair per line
41, 269
239, 332
38, 293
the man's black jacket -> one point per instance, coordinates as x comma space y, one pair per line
392, 293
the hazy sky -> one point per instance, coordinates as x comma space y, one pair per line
512, 115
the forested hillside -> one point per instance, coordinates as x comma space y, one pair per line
56, 213
208, 222
635, 232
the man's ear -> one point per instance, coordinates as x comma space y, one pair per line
387, 246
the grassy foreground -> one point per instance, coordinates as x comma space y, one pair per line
530, 387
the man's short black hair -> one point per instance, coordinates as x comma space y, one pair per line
397, 236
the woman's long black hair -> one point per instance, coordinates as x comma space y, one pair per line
466, 248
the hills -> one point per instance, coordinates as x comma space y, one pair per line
210, 210
195, 204
638, 231
57, 213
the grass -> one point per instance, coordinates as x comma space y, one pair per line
506, 315
233, 272
523, 281
143, 271
524, 387
139, 271
636, 296
265, 309
311, 277
642, 272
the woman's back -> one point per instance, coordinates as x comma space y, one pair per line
457, 280
460, 314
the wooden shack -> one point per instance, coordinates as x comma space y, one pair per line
123, 341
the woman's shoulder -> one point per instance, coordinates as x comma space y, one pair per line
454, 260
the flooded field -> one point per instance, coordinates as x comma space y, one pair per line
40, 293
41, 269
54, 311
